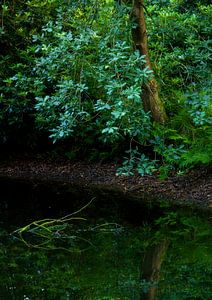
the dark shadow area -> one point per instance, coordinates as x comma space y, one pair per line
22, 201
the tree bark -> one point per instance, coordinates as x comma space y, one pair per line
150, 96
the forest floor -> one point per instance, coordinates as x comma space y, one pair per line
193, 188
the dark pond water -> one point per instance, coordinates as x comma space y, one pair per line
113, 249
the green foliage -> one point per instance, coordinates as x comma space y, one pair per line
201, 148
68, 69
138, 162
200, 107
19, 21
180, 45
84, 78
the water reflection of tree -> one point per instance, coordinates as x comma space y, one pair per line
150, 268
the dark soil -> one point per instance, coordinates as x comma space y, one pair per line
191, 189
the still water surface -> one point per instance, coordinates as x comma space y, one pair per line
85, 256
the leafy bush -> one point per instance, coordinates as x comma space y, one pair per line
73, 73
84, 78
180, 45
137, 161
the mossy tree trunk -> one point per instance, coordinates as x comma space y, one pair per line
150, 96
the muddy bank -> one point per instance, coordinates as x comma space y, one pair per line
192, 189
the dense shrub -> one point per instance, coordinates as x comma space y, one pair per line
73, 73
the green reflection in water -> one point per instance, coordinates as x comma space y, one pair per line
171, 256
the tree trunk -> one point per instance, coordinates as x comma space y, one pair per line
150, 268
150, 96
